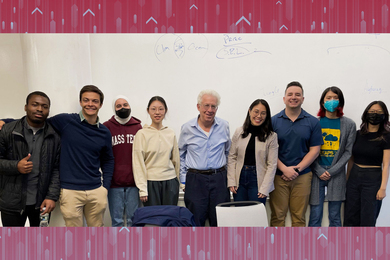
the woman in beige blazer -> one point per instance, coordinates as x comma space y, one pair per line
253, 156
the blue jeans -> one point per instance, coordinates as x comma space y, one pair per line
122, 203
248, 188
316, 211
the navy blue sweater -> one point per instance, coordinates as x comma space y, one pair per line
84, 149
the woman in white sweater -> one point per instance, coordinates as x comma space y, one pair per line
156, 160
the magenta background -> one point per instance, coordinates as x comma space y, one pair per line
198, 16
186, 16
195, 243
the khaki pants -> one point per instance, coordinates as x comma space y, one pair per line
290, 194
90, 203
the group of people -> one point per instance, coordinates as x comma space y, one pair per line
293, 158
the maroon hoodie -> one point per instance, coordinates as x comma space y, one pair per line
122, 146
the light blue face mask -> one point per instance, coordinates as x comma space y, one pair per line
331, 105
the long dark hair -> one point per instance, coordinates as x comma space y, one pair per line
384, 127
265, 129
339, 108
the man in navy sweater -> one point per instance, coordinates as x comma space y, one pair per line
85, 147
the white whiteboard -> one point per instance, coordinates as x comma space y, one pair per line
241, 67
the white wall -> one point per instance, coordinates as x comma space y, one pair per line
12, 76
241, 68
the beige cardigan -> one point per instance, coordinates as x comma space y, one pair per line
266, 160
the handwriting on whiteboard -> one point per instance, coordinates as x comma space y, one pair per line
271, 92
235, 47
176, 47
336, 49
373, 90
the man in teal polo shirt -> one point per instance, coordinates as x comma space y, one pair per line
300, 139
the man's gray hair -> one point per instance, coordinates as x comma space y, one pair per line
211, 93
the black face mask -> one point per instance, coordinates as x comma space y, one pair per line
374, 118
123, 112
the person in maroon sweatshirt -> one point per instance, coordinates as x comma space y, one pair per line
123, 196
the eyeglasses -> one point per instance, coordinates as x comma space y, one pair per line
208, 106
257, 112
154, 110
375, 111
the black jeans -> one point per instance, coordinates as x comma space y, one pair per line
17, 220
361, 206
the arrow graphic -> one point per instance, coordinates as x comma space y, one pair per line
284, 27
124, 228
36, 9
243, 18
194, 6
151, 18
322, 235
88, 11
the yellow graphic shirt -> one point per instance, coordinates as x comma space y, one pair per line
331, 137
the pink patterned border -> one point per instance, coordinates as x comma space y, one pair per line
195, 243
194, 16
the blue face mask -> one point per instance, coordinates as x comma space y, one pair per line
331, 105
